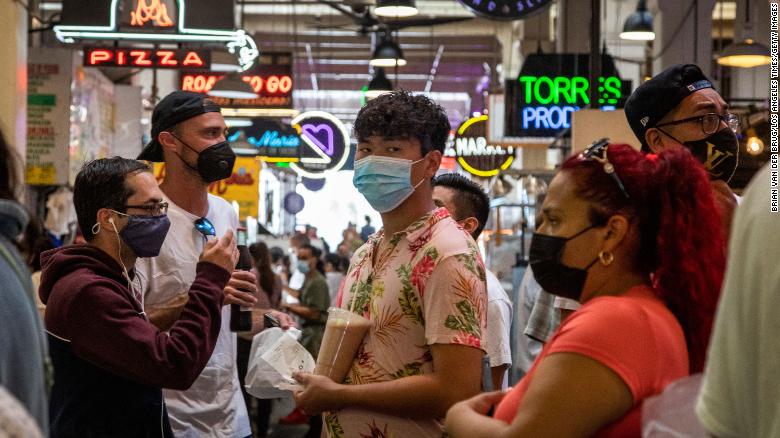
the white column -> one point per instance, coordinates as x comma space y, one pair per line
680, 46
13, 76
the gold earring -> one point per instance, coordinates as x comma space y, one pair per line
606, 258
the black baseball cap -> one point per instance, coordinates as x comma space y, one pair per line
656, 98
169, 112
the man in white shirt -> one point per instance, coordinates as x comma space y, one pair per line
740, 396
469, 205
188, 134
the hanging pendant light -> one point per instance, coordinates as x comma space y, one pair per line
746, 53
387, 54
223, 61
231, 86
378, 85
395, 8
639, 25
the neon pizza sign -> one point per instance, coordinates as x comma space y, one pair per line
158, 21
146, 58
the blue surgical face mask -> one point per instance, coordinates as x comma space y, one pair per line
303, 266
385, 182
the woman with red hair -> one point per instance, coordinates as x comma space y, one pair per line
637, 240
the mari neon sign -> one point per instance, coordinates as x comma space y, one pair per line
146, 58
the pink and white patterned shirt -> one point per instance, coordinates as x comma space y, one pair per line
426, 287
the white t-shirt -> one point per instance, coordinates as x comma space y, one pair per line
214, 405
740, 396
499, 322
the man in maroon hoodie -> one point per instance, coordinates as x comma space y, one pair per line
110, 362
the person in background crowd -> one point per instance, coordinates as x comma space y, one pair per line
269, 294
367, 229
314, 299
633, 239
296, 278
351, 240
315, 240
679, 107
313, 310
335, 266
342, 250
280, 263
420, 281
188, 134
39, 242
740, 395
103, 347
469, 206
23, 355
269, 284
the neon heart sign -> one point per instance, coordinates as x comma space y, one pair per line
324, 144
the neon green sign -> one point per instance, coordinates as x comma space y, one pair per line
560, 90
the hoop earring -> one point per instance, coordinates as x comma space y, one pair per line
96, 228
606, 258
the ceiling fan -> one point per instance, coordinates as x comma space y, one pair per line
361, 17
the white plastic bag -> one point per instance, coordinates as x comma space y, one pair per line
275, 356
671, 414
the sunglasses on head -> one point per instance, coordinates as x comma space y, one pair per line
597, 151
205, 227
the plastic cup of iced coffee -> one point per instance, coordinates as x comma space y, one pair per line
344, 332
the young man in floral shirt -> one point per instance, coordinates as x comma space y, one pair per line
420, 280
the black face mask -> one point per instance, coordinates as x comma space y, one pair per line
719, 153
552, 275
215, 162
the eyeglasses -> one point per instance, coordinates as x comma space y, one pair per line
710, 123
597, 151
157, 209
205, 227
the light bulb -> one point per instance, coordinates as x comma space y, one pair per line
754, 145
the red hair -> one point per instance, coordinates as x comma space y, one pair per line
681, 244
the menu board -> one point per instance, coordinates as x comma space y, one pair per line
49, 76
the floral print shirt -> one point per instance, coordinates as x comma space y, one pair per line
427, 286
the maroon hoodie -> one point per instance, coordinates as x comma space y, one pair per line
91, 308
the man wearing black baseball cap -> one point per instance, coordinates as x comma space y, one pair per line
188, 134
680, 108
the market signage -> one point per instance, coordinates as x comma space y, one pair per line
267, 139
551, 87
475, 153
158, 21
271, 78
325, 144
49, 77
146, 58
